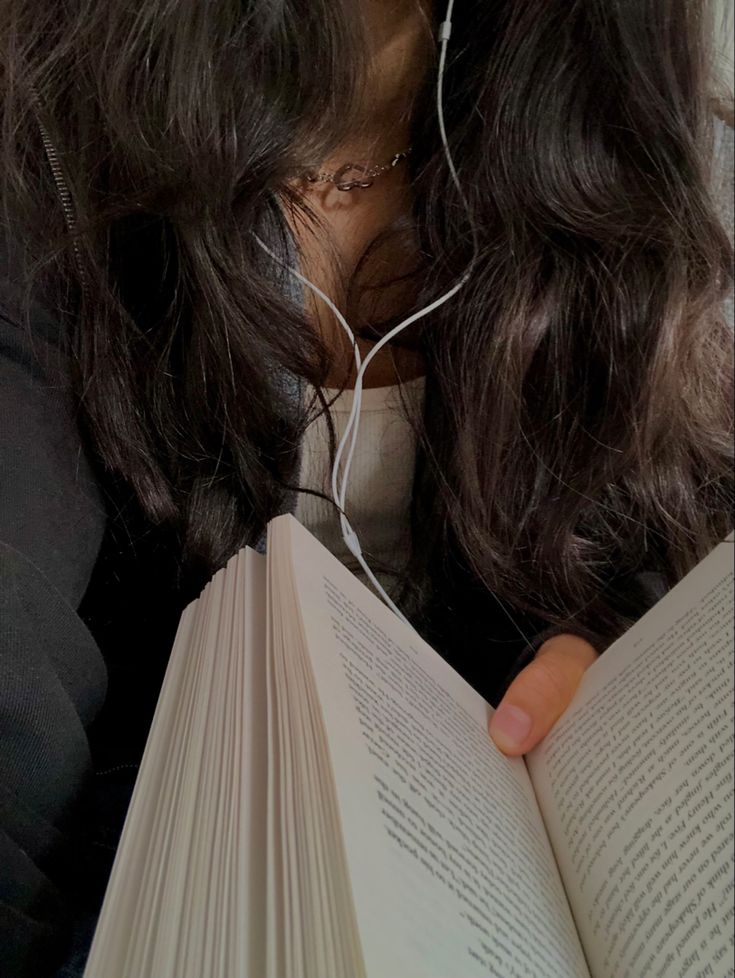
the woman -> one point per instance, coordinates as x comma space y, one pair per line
161, 369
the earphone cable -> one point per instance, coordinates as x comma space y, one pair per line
348, 440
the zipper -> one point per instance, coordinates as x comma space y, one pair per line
62, 190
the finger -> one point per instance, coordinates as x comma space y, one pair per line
540, 693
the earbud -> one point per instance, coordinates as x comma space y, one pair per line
349, 438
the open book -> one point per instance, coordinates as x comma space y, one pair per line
319, 797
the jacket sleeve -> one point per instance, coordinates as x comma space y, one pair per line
52, 676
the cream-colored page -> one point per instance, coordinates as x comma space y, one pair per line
251, 864
451, 870
636, 787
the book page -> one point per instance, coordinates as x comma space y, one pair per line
185, 899
451, 870
250, 927
636, 786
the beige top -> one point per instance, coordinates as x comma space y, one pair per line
381, 477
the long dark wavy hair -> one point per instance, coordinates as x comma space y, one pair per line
578, 419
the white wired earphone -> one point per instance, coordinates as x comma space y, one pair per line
349, 438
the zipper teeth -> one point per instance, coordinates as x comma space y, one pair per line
64, 195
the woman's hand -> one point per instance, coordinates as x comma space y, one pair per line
539, 694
